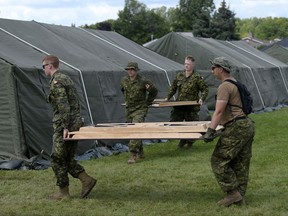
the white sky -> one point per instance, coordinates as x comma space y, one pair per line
81, 12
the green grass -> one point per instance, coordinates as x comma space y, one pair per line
168, 182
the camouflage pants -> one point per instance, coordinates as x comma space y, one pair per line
179, 114
138, 116
230, 160
63, 153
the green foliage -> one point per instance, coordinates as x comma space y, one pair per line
167, 182
140, 24
106, 25
190, 13
223, 24
264, 28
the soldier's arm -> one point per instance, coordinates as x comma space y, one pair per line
62, 104
203, 88
172, 89
152, 92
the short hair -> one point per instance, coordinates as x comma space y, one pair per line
191, 58
52, 59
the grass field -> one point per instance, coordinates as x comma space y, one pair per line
168, 182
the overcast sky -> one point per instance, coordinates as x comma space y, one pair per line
81, 12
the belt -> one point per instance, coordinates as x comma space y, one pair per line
234, 120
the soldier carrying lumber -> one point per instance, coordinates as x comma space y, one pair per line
139, 93
66, 117
191, 87
231, 157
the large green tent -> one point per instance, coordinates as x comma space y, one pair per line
278, 52
95, 60
265, 76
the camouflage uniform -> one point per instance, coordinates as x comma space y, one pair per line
230, 160
188, 90
231, 157
66, 114
137, 102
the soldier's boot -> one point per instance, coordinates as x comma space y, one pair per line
181, 143
190, 144
240, 203
88, 184
133, 158
141, 155
63, 193
230, 198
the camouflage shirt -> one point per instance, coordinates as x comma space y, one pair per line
136, 94
188, 87
64, 100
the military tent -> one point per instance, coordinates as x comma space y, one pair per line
283, 43
265, 76
95, 60
278, 52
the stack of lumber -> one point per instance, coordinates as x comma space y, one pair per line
147, 130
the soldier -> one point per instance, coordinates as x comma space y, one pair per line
66, 117
189, 85
230, 160
139, 93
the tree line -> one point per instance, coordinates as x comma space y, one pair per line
141, 24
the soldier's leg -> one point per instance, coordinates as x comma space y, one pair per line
225, 151
222, 161
59, 159
136, 146
78, 171
59, 166
191, 116
177, 115
241, 164
74, 168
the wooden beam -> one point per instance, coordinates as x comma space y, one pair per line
163, 103
151, 124
128, 135
174, 103
147, 130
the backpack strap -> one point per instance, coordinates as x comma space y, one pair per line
234, 82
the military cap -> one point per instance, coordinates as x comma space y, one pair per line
132, 65
222, 62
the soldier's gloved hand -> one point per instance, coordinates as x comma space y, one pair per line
149, 103
209, 135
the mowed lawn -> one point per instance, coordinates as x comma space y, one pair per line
168, 181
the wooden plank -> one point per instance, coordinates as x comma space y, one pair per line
127, 136
151, 124
157, 103
148, 130
174, 103
152, 129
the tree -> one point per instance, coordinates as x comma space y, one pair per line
140, 24
106, 25
223, 24
192, 14
201, 28
264, 28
